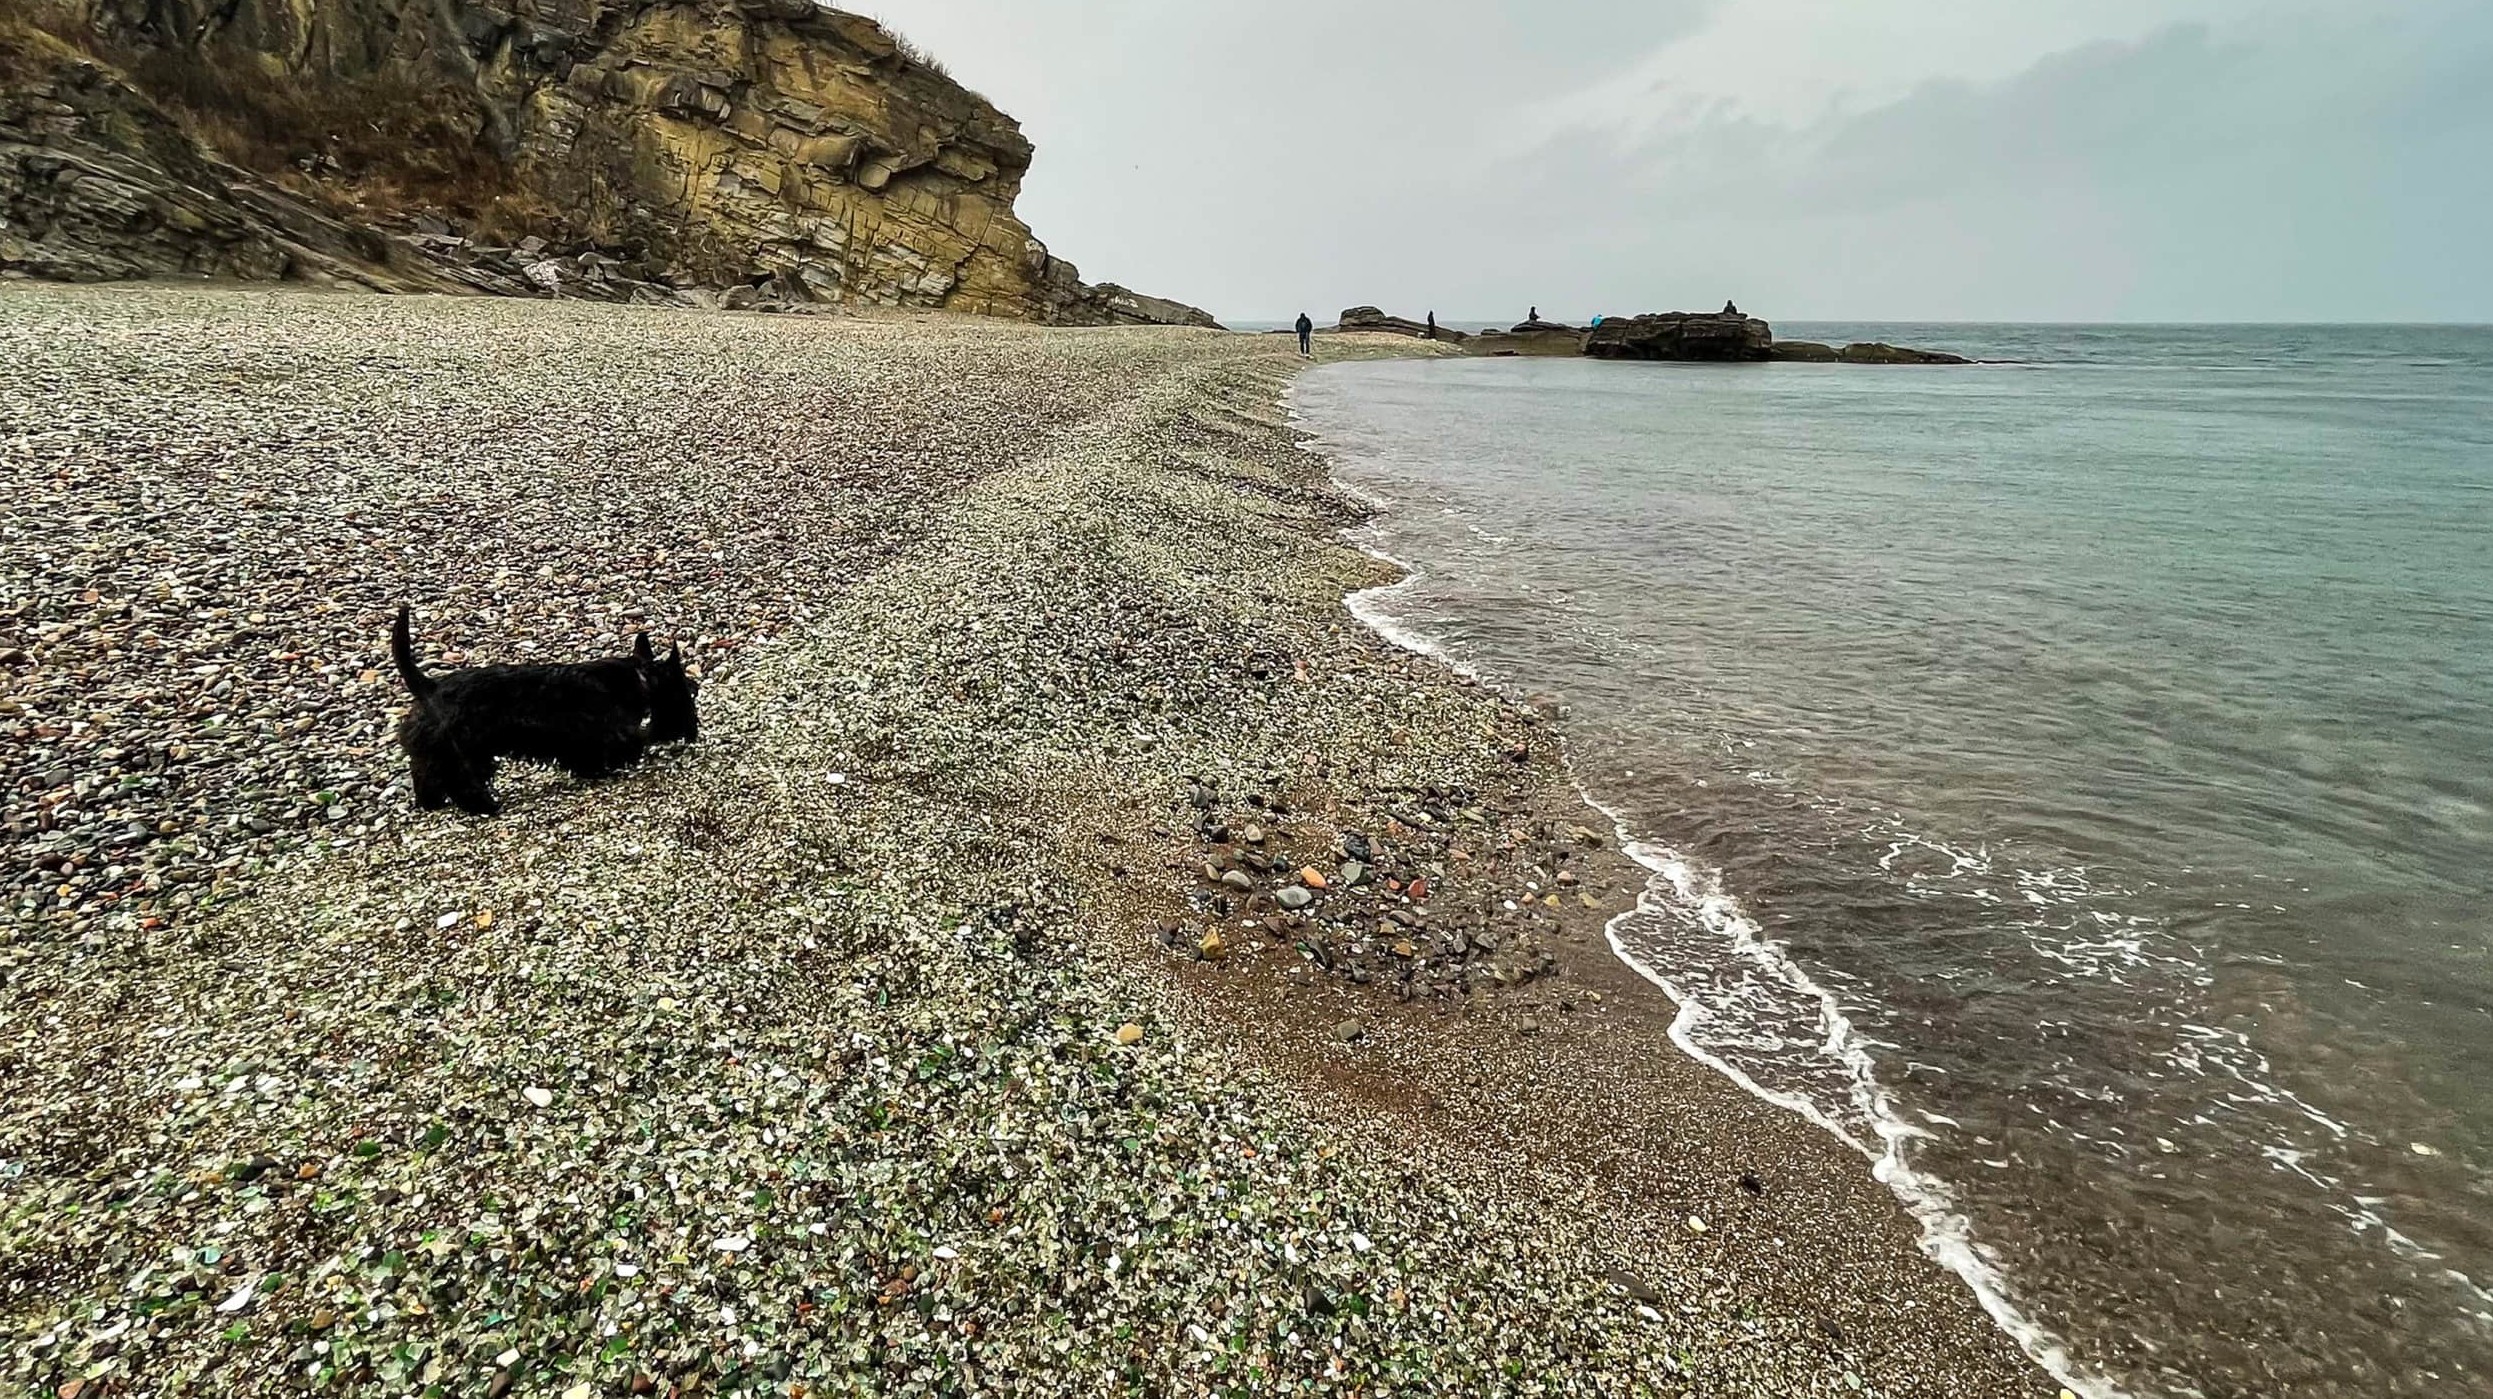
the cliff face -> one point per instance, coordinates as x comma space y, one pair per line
767, 144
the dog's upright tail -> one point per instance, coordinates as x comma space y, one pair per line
402, 650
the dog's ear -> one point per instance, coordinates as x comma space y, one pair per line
640, 647
675, 654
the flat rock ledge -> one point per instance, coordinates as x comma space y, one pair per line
1858, 352
1369, 318
1532, 337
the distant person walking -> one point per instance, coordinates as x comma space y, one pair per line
1306, 329
1432, 325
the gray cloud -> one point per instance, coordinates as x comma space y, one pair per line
2251, 161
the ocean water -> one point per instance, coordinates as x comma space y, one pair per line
2069, 778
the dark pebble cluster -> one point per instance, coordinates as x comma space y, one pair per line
1445, 896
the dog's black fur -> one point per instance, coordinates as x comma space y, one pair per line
672, 718
586, 718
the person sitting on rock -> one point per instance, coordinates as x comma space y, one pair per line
1306, 328
1729, 309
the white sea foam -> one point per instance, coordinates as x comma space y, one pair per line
1874, 1126
1373, 608
1946, 1234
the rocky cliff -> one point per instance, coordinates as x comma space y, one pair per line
619, 148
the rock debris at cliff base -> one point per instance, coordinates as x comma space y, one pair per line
794, 1062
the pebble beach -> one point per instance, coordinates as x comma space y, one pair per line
1078, 958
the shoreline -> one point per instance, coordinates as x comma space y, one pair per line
1940, 1231
845, 1046
1963, 872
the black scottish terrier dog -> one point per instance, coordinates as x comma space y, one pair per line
591, 718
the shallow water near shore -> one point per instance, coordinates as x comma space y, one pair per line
2068, 778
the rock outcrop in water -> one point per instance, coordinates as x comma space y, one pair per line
613, 148
1880, 352
1681, 335
1369, 318
1531, 337
1858, 352
1723, 337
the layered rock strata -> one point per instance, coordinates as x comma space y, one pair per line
97, 184
677, 144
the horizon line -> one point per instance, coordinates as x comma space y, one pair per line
1893, 320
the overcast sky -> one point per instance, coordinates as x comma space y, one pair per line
1816, 159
